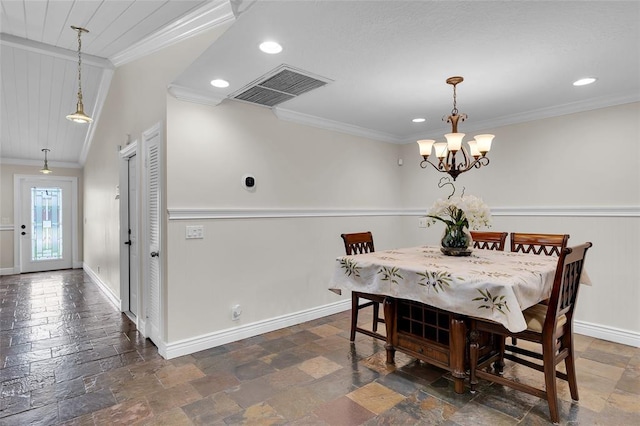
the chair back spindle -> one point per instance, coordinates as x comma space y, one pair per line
567, 282
489, 240
358, 243
548, 244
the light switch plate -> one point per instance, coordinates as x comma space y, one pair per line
195, 232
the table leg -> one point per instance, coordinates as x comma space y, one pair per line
390, 324
457, 349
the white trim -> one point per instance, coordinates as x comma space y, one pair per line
245, 213
611, 334
210, 340
195, 96
338, 126
102, 286
209, 16
54, 51
17, 214
126, 154
101, 98
8, 271
589, 211
7, 227
186, 214
38, 163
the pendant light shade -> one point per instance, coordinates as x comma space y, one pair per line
45, 170
79, 116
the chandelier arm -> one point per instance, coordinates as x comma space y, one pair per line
481, 161
426, 161
465, 164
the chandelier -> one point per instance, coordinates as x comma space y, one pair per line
79, 116
45, 170
447, 152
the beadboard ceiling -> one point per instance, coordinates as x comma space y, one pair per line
39, 66
386, 62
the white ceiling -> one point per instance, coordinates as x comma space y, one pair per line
388, 61
39, 57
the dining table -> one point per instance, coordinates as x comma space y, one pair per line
429, 297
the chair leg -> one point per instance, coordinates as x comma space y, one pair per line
569, 363
354, 316
376, 315
550, 381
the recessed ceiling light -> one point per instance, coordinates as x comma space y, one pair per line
584, 81
419, 120
219, 83
270, 47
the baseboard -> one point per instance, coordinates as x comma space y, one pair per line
7, 271
102, 286
611, 334
206, 341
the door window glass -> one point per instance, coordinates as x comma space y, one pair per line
46, 222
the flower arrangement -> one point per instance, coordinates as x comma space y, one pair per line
467, 211
459, 214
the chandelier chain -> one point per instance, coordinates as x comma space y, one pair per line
79, 65
454, 111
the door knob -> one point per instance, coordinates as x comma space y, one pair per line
155, 254
127, 243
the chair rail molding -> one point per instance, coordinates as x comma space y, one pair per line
253, 213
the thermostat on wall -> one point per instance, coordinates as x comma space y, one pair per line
249, 182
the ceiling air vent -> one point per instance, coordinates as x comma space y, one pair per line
278, 86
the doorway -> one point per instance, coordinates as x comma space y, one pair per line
129, 235
45, 210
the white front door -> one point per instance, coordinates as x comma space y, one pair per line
45, 228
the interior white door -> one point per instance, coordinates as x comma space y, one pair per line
45, 225
134, 260
153, 178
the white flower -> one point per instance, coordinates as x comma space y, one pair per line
475, 210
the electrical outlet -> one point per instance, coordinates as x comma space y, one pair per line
236, 311
195, 232
422, 222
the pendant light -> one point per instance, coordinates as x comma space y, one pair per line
45, 170
79, 116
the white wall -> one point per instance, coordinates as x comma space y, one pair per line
271, 266
577, 174
278, 266
136, 101
7, 222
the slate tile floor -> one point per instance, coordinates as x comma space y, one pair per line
69, 357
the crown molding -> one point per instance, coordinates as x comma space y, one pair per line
323, 123
209, 16
190, 95
38, 163
49, 50
538, 114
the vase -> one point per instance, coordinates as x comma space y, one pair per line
456, 241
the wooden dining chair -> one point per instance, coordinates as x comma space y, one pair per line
549, 244
550, 326
489, 240
358, 243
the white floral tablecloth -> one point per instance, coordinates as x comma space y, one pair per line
488, 284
